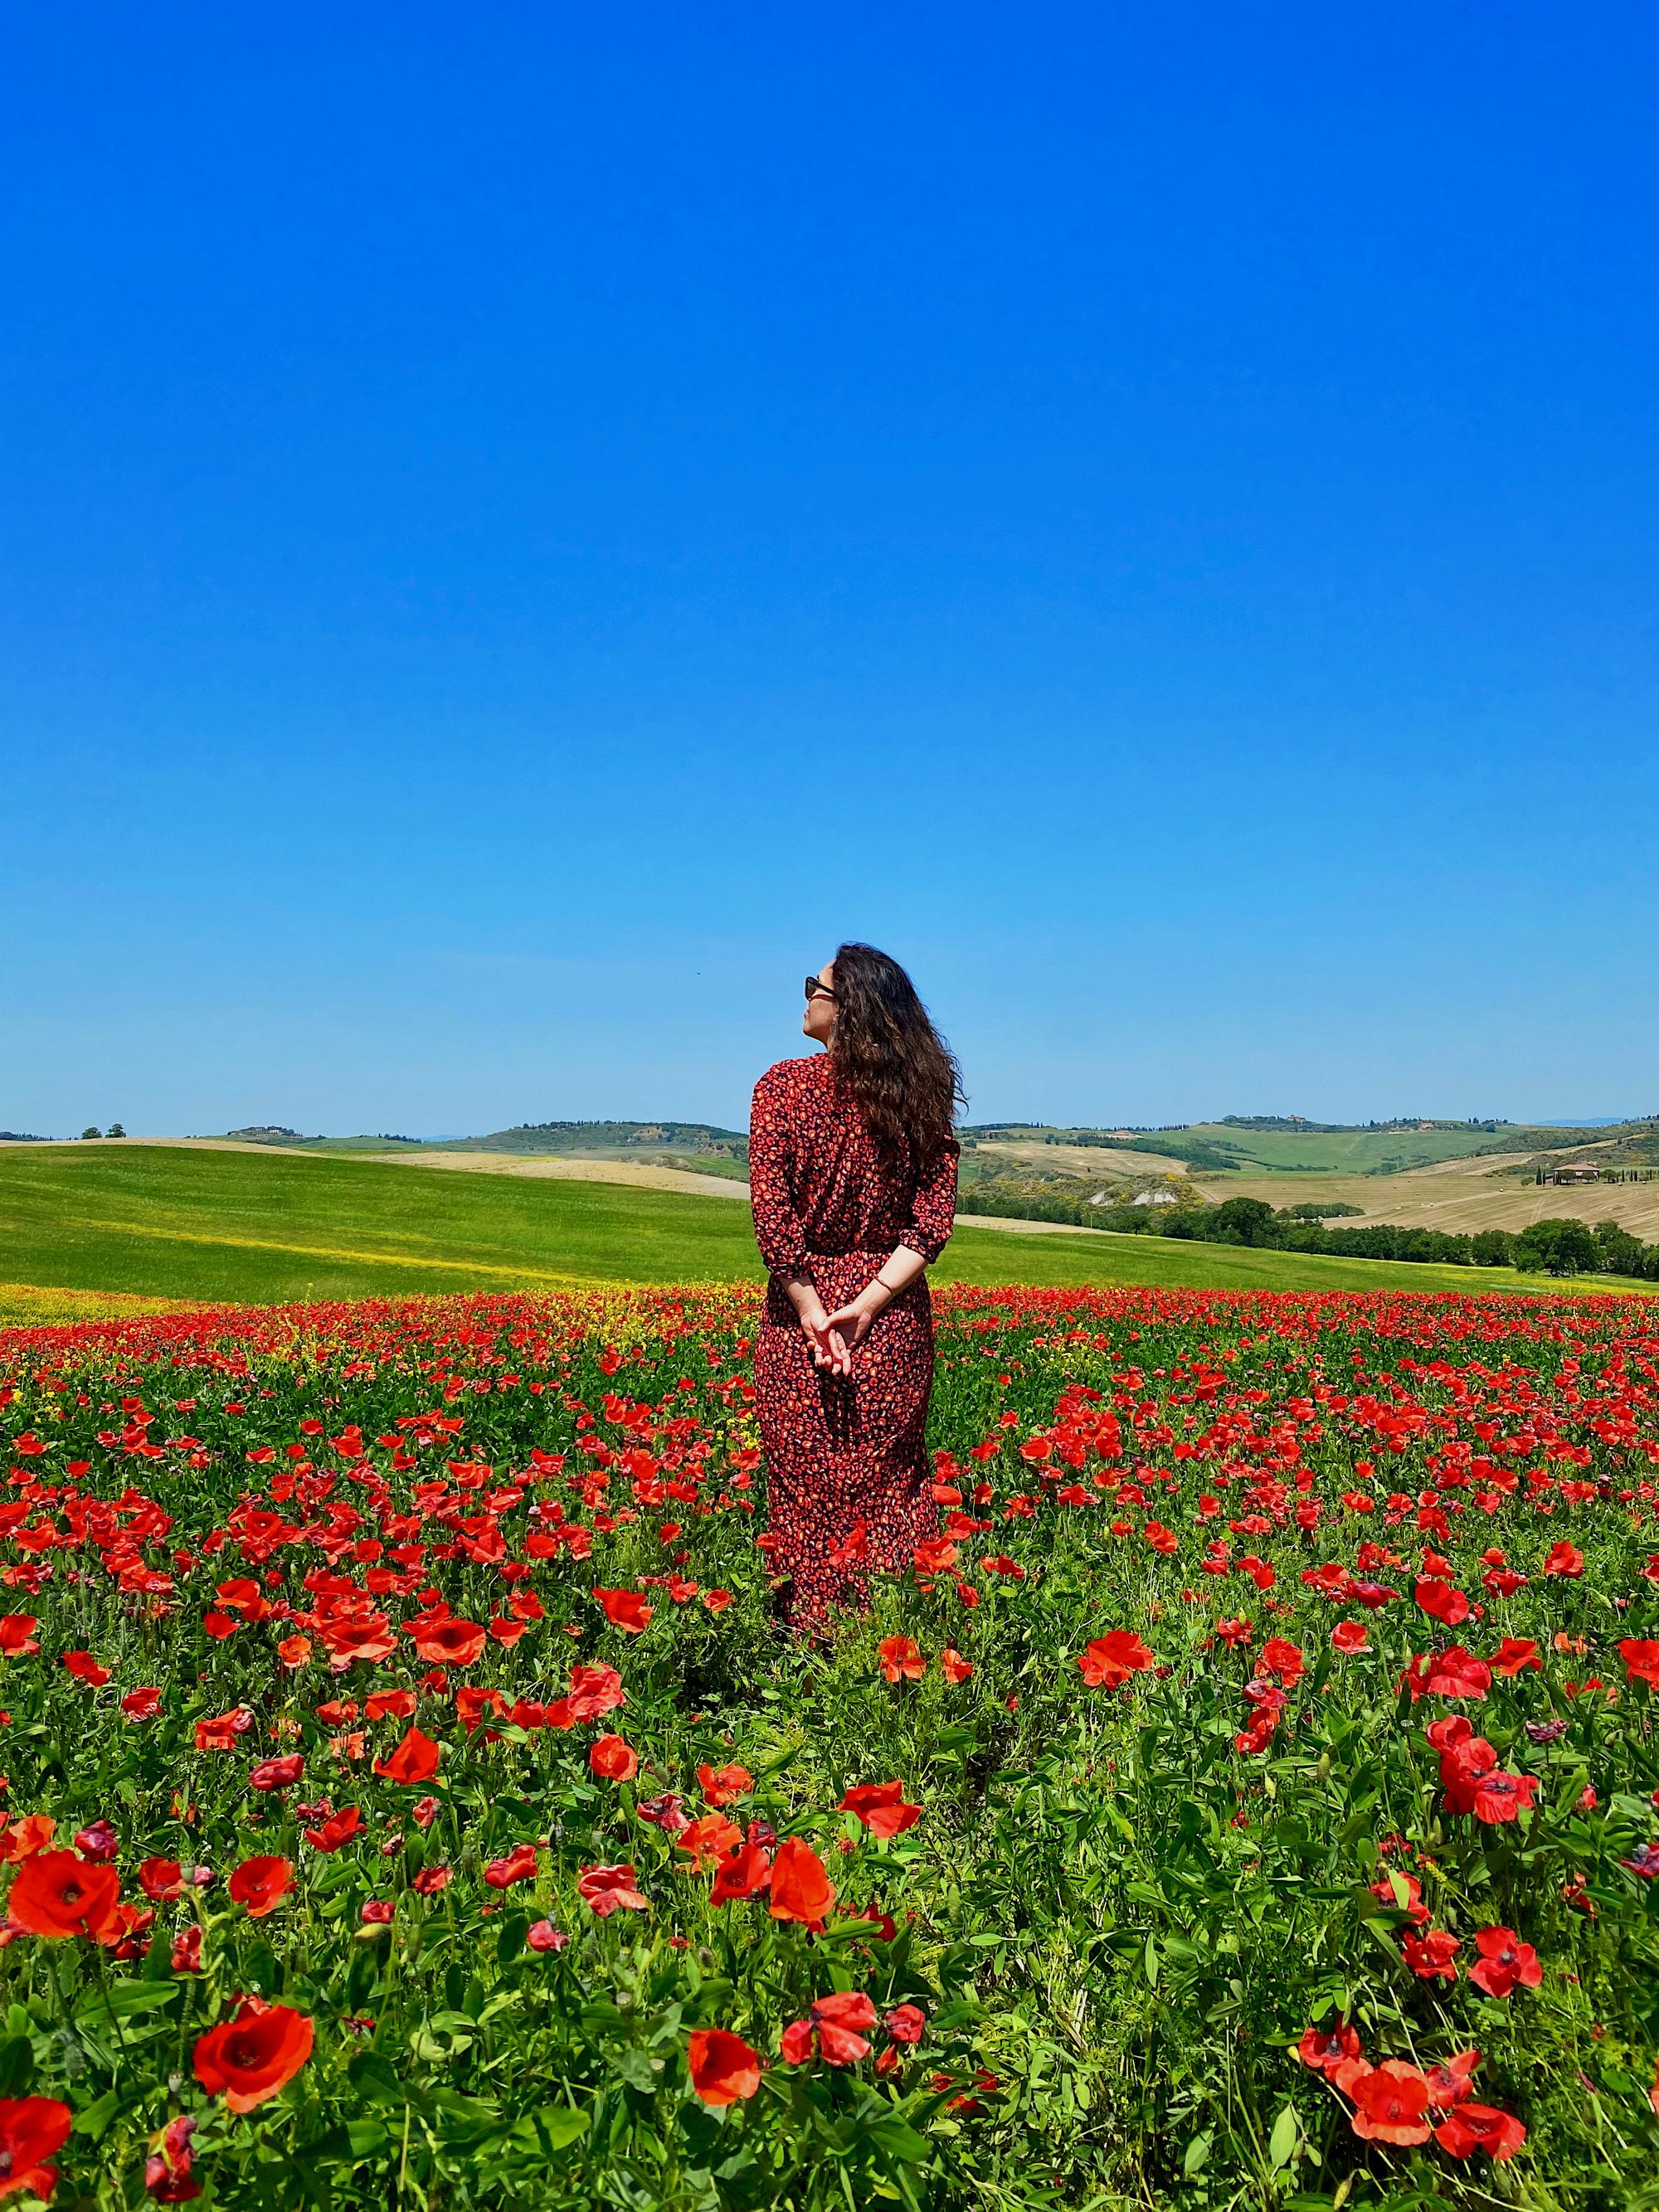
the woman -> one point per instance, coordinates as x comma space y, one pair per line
852, 1178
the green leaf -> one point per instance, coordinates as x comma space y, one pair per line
16, 2064
371, 2074
1197, 2155
559, 2124
123, 2000
1282, 2142
637, 2069
477, 2111
96, 2118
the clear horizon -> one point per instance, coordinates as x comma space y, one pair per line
521, 533
458, 1136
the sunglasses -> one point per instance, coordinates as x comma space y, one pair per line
817, 990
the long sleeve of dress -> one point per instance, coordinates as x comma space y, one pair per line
934, 1209
778, 1229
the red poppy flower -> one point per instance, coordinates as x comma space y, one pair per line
339, 1828
474, 1707
1432, 1957
625, 1609
221, 1733
906, 2023
707, 1840
32, 2129
901, 1659
59, 1894
542, 1935
1513, 1653
371, 1640
1641, 1656
1372, 1595
414, 1760
389, 1704
1111, 1660
1441, 1602
1448, 2079
1327, 2048
608, 1889
594, 1691
254, 2055
519, 1865
277, 1773
447, 1642
86, 1668
1500, 1797
20, 1840
261, 1884
1480, 2127
744, 1870
881, 1807
1562, 1559
1390, 2100
1505, 1960
161, 1880
723, 1785
1281, 1657
613, 1760
954, 1667
801, 1887
142, 1705
723, 2067
17, 1641
838, 2018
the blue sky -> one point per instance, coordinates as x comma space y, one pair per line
521, 527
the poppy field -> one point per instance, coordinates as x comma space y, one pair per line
1249, 1797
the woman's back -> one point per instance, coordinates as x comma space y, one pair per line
816, 1184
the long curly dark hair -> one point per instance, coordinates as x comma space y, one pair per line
891, 1062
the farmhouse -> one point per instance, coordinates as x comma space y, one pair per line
1584, 1171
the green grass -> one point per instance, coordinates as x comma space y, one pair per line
171, 1223
1363, 1151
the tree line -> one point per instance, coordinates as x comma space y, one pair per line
1561, 1247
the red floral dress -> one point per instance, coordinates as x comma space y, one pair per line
847, 1486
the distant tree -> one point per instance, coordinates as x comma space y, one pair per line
115, 1130
1243, 1221
1494, 1247
1559, 1247
1621, 1253
92, 1133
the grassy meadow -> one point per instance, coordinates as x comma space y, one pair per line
171, 1223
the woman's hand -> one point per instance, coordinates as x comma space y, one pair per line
814, 1322
847, 1327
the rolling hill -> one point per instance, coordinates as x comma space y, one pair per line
202, 1224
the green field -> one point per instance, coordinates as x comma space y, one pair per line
1367, 1151
168, 1222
